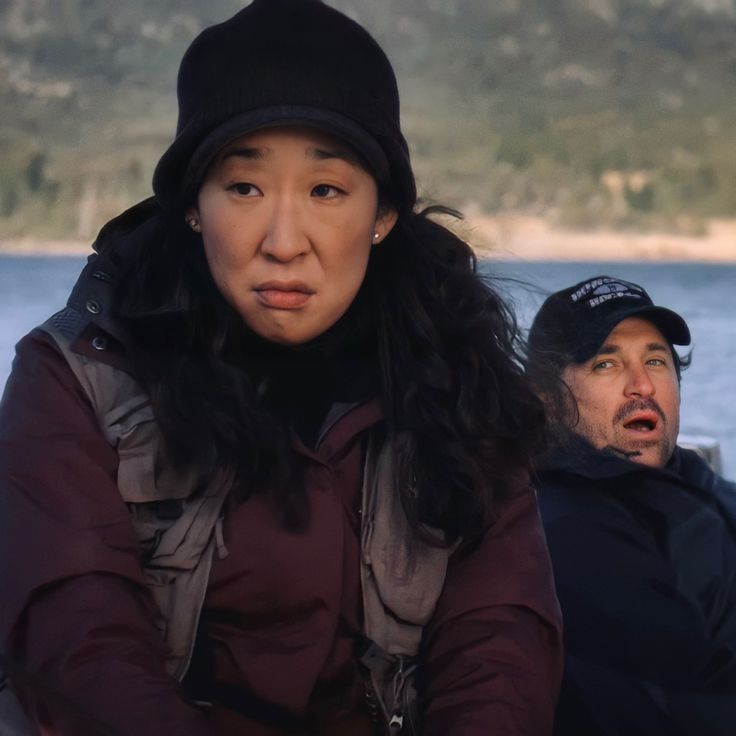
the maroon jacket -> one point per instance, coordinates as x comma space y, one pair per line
283, 609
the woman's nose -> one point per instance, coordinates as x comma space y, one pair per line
285, 237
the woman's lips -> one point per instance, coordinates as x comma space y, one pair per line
284, 294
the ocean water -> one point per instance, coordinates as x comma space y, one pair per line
32, 288
705, 296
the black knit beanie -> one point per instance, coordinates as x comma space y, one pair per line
281, 62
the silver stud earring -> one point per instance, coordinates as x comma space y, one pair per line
376, 236
193, 223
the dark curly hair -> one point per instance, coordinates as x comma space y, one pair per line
444, 343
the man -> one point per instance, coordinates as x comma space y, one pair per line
642, 533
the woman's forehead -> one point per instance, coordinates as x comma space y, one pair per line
303, 141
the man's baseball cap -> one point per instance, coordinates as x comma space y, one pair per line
572, 324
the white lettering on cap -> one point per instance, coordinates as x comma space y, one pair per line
599, 291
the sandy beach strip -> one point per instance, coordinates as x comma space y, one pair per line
38, 247
519, 237
529, 238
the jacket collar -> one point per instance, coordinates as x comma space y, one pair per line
578, 457
93, 294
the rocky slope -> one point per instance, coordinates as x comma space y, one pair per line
613, 112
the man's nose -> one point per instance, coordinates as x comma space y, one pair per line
638, 382
284, 238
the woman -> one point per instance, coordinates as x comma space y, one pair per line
266, 474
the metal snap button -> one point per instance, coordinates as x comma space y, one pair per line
99, 343
92, 306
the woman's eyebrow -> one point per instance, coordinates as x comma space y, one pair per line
252, 154
323, 154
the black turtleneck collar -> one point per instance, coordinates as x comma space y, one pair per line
302, 382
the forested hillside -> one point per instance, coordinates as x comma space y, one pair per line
610, 112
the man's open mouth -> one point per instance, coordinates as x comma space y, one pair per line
642, 422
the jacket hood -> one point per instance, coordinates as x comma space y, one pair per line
138, 221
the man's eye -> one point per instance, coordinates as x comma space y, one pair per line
602, 365
656, 361
326, 191
245, 190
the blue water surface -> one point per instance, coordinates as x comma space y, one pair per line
703, 294
32, 288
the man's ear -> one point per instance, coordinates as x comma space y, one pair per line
385, 221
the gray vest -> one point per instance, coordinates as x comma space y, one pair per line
402, 577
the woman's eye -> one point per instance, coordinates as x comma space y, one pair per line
244, 189
326, 191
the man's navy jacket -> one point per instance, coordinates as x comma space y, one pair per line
645, 566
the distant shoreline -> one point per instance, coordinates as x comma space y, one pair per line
518, 237
39, 247
527, 238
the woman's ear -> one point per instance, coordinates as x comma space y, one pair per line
192, 219
385, 222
